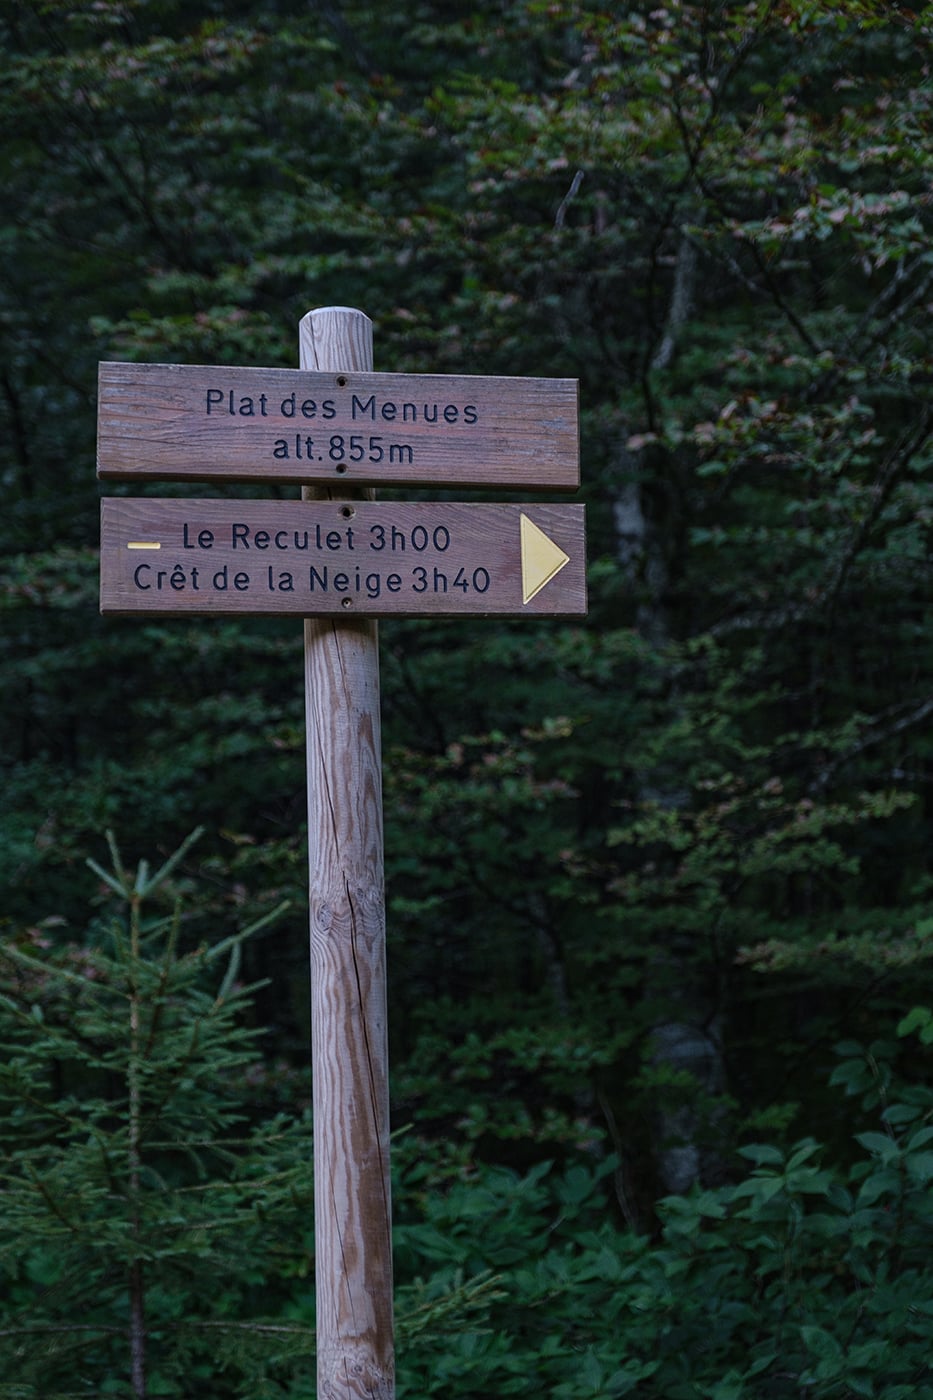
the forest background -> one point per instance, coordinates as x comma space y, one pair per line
660, 893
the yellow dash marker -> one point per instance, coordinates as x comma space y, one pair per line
144, 544
541, 559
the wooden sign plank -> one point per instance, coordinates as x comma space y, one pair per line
213, 423
363, 558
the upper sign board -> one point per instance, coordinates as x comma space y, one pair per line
213, 423
372, 559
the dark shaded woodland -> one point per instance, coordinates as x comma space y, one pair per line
660, 892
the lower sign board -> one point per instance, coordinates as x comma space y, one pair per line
374, 559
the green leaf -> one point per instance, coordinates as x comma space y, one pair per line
762, 1154
822, 1344
918, 1018
878, 1144
920, 1166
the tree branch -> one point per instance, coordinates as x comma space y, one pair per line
876, 735
564, 205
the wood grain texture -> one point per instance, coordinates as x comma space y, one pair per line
227, 423
353, 1242
334, 557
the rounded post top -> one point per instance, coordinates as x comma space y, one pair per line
335, 311
336, 338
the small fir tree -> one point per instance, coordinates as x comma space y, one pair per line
146, 1220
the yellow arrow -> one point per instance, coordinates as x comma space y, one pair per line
541, 559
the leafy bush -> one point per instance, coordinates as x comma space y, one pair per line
807, 1276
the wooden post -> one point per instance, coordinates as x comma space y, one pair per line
352, 1202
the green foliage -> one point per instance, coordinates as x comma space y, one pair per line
808, 1272
147, 1209
708, 806
144, 1189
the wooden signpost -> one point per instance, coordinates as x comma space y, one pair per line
341, 560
